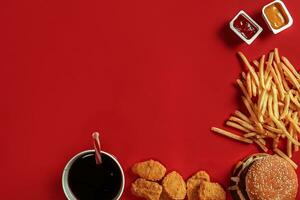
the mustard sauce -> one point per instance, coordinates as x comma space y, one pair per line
276, 16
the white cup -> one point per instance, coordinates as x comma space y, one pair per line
65, 175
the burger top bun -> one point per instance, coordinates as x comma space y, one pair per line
270, 178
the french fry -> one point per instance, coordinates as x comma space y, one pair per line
263, 110
270, 106
249, 85
244, 75
284, 82
286, 106
289, 144
261, 140
239, 82
256, 63
270, 134
231, 135
271, 57
261, 71
261, 136
295, 118
272, 129
294, 92
237, 126
281, 154
278, 75
276, 54
261, 99
259, 127
278, 81
286, 133
242, 116
242, 123
254, 88
289, 74
290, 66
250, 68
275, 67
294, 123
269, 64
275, 102
261, 145
294, 100
251, 134
250, 110
267, 72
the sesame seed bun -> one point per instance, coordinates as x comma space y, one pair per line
263, 176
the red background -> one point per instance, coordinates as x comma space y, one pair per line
151, 76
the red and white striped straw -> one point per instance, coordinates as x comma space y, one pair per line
97, 148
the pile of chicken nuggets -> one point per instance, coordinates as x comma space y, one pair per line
154, 184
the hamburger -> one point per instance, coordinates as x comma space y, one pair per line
264, 177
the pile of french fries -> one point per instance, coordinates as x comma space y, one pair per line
271, 95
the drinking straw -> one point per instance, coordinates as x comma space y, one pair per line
97, 148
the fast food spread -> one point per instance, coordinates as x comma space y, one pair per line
269, 118
172, 186
138, 74
270, 88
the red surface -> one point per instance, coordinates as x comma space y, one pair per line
151, 76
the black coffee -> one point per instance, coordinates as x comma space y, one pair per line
89, 181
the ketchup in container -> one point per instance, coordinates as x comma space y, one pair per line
245, 26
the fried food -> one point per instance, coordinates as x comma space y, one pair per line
174, 186
263, 176
146, 189
231, 135
193, 184
211, 191
164, 196
273, 113
151, 170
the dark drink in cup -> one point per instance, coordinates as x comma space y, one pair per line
83, 179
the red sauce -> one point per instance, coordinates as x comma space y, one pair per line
245, 27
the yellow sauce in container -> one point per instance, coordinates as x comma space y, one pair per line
276, 15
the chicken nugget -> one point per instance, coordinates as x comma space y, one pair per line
193, 184
211, 191
146, 189
174, 186
150, 170
164, 196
